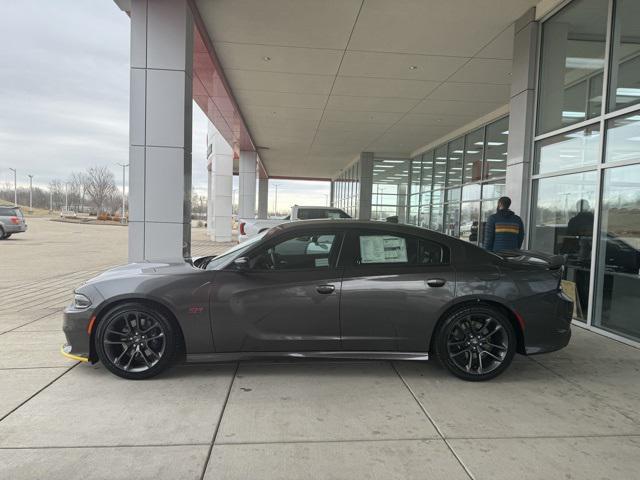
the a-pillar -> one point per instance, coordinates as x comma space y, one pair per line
365, 178
521, 116
221, 188
263, 198
160, 130
247, 184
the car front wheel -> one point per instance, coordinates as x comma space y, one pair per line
476, 343
135, 341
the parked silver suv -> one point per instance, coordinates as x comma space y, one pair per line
11, 221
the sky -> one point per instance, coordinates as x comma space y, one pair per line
64, 97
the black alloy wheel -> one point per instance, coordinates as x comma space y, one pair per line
135, 341
476, 343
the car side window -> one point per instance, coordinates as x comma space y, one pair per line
386, 248
312, 251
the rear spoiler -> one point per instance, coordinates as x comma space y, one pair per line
535, 257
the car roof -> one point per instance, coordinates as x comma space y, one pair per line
355, 223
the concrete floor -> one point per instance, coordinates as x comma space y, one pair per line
574, 414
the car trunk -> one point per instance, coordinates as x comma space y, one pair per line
533, 258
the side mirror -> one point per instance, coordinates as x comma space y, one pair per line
241, 263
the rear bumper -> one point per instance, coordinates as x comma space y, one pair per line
13, 228
547, 320
75, 326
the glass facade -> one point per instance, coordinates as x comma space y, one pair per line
460, 182
346, 190
585, 200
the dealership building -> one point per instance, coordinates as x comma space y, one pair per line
425, 110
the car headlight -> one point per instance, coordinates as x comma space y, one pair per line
81, 301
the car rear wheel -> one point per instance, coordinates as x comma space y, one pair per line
476, 343
135, 341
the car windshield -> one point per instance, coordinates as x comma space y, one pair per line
235, 250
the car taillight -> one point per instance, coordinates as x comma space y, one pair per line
242, 228
14, 220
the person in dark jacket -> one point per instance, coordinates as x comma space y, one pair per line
504, 229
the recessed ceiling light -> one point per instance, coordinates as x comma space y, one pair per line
413, 67
266, 59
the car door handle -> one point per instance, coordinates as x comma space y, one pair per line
436, 282
325, 289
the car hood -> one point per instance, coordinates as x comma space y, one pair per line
143, 268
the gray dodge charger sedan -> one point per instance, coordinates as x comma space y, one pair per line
325, 288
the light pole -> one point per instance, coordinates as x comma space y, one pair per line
66, 197
15, 186
30, 193
123, 165
50, 200
275, 207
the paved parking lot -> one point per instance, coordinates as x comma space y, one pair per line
574, 414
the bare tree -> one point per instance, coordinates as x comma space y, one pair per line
78, 182
101, 185
56, 187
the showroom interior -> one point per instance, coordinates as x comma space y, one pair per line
537, 100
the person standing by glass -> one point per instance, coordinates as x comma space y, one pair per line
504, 229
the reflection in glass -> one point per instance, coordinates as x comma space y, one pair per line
474, 148
625, 71
623, 139
470, 221
471, 192
562, 223
618, 280
568, 150
496, 149
572, 58
425, 215
454, 164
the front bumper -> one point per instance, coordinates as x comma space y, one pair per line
77, 325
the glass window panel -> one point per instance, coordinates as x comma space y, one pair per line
623, 139
469, 221
454, 163
625, 61
487, 209
452, 219
495, 190
414, 213
595, 96
562, 223
618, 279
382, 212
568, 150
425, 215
495, 164
471, 192
436, 219
453, 195
572, 52
416, 174
427, 172
474, 149
440, 167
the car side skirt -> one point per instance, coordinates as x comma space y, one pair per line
360, 355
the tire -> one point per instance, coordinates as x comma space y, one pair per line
476, 343
7, 235
2, 234
123, 345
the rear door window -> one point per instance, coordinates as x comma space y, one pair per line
380, 248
